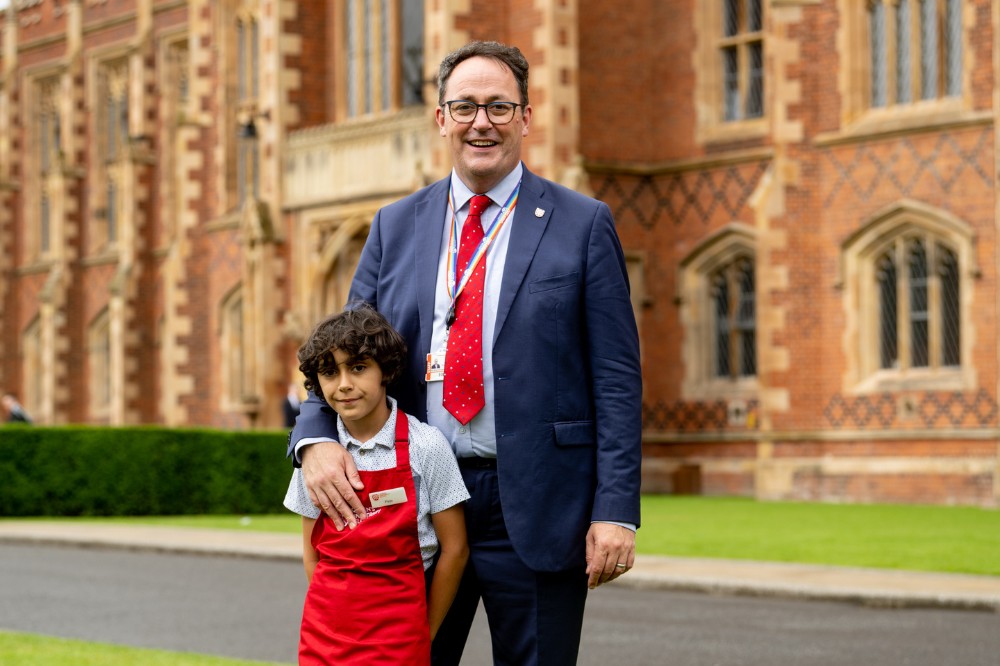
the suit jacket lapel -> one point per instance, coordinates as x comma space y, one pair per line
428, 229
525, 234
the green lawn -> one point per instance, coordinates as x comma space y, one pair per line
929, 538
922, 538
18, 648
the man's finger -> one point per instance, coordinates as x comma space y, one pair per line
350, 506
325, 504
341, 510
347, 490
351, 470
596, 569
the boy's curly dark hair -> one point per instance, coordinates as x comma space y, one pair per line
360, 332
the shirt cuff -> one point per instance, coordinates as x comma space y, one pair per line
628, 526
306, 441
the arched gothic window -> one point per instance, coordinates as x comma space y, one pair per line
718, 297
908, 283
919, 324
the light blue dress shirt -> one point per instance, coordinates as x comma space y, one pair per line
478, 437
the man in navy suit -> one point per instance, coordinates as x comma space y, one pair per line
551, 454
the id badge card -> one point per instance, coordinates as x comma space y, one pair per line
435, 367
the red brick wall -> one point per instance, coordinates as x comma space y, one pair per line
313, 98
638, 81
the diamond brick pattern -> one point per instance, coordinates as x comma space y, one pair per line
692, 416
225, 251
677, 198
932, 410
908, 166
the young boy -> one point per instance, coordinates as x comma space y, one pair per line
376, 595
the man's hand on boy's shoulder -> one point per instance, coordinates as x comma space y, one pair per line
332, 479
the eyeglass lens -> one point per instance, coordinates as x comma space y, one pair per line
498, 112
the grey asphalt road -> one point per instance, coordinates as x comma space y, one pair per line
250, 608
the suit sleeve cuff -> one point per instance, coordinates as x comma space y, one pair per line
628, 526
306, 441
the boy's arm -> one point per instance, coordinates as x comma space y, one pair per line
454, 553
309, 555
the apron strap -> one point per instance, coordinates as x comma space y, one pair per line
402, 439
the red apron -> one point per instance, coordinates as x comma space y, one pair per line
367, 603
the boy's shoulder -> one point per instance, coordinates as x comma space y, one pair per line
427, 443
424, 434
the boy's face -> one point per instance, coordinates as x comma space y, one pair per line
356, 392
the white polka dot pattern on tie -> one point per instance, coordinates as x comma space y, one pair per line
463, 372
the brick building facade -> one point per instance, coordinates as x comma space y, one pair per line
805, 190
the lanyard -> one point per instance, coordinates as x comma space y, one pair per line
454, 290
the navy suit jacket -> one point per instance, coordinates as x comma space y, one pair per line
566, 367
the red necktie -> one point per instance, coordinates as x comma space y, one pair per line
463, 364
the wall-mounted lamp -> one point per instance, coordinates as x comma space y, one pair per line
248, 128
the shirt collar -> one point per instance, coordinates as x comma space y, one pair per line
499, 194
386, 437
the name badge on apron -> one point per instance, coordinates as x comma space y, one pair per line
381, 498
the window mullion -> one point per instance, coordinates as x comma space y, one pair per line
953, 63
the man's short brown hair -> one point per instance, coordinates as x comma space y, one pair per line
510, 56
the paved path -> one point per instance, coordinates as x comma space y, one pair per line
249, 608
875, 587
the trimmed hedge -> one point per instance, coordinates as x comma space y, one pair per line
90, 471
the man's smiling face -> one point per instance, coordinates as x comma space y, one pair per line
481, 152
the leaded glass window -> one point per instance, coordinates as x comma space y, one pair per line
383, 59
733, 296
918, 308
948, 275
48, 144
886, 282
923, 41
742, 55
876, 17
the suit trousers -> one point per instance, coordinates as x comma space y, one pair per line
535, 618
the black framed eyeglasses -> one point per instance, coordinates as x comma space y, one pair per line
464, 111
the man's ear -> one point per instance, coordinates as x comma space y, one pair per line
439, 119
526, 112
